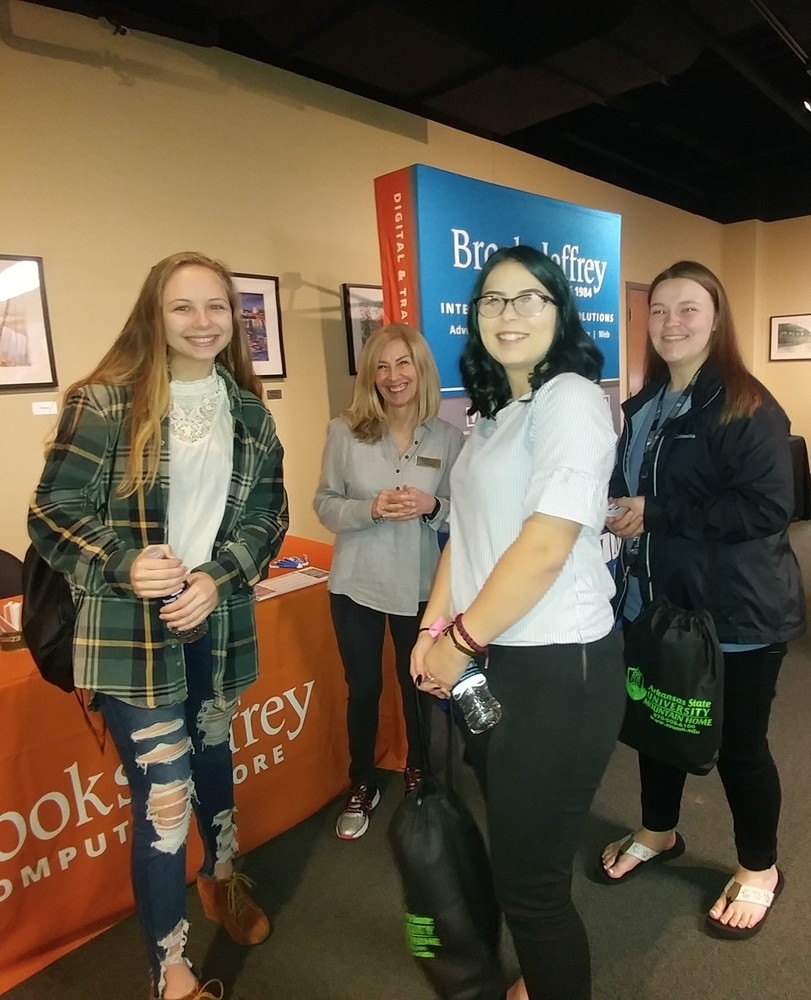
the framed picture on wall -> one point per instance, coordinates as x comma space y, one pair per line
262, 319
26, 351
363, 314
790, 338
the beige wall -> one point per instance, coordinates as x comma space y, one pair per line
120, 150
784, 289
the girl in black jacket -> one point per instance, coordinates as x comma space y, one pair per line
704, 477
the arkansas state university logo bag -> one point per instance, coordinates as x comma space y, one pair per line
452, 919
49, 618
674, 681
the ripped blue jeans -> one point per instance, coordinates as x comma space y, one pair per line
177, 758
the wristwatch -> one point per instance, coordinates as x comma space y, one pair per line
429, 517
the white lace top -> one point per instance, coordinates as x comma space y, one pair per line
201, 452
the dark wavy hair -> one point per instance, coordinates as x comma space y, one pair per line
572, 350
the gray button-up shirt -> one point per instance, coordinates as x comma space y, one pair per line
386, 565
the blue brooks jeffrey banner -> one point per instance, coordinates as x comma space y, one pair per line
436, 229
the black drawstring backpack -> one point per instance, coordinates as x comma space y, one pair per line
49, 619
452, 919
674, 682
49, 615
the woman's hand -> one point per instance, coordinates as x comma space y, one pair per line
193, 606
443, 665
418, 669
152, 577
632, 522
424, 503
394, 505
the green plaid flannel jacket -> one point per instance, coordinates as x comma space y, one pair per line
82, 529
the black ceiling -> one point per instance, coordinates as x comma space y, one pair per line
697, 103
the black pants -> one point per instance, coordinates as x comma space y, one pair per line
360, 632
745, 763
540, 766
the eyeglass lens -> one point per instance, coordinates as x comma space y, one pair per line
526, 304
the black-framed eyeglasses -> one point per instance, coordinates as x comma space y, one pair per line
526, 304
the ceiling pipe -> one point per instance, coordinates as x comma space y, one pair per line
774, 22
741, 64
785, 35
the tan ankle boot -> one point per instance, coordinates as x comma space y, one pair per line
227, 902
200, 992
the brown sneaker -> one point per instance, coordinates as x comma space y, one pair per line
226, 902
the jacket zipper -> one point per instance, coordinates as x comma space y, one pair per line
655, 471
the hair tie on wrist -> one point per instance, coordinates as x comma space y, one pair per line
449, 632
460, 628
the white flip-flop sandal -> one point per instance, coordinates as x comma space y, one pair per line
646, 855
747, 894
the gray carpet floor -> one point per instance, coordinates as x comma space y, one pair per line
338, 914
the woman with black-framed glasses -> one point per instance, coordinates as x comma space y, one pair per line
524, 577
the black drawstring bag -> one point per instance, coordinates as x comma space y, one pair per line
674, 681
49, 618
48, 613
452, 918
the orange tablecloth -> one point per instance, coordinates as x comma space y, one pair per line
64, 817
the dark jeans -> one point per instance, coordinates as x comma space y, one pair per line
745, 763
360, 632
177, 758
541, 765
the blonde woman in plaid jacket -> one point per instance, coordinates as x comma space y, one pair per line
165, 476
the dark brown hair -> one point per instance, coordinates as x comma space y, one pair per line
743, 393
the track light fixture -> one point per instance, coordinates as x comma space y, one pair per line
115, 24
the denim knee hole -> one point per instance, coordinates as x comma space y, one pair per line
169, 810
157, 729
163, 753
214, 722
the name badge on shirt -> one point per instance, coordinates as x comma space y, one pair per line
432, 463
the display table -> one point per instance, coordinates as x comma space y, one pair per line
64, 815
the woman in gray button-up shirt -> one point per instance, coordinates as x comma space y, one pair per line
384, 493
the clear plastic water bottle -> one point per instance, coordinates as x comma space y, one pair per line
192, 634
472, 694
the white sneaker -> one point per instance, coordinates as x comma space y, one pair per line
354, 820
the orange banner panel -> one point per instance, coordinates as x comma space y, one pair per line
64, 803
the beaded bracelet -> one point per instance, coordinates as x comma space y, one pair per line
449, 632
481, 650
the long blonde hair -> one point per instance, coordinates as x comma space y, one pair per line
138, 359
366, 416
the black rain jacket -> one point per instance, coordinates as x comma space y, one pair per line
717, 509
